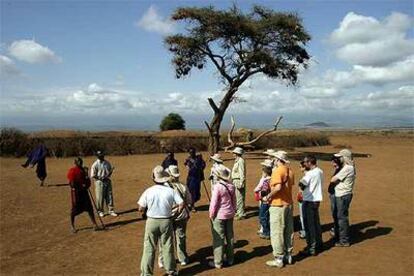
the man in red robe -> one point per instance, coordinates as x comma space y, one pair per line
79, 183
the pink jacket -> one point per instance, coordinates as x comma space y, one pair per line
223, 201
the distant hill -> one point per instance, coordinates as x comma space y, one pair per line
318, 124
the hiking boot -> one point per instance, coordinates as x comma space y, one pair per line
276, 262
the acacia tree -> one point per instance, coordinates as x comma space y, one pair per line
239, 45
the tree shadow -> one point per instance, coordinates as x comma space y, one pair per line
199, 259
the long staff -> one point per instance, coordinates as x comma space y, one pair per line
94, 205
208, 195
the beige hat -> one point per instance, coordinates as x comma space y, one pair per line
344, 153
216, 157
173, 171
269, 152
222, 172
281, 155
267, 163
238, 150
159, 175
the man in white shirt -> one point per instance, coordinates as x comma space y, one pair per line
311, 185
158, 201
101, 172
344, 182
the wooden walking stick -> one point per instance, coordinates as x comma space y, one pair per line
94, 205
208, 196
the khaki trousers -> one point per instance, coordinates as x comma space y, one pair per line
103, 194
180, 228
281, 230
157, 231
222, 231
240, 198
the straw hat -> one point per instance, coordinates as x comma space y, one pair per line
269, 152
216, 157
159, 175
344, 153
281, 155
267, 163
173, 171
222, 172
238, 150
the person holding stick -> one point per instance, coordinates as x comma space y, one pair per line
195, 165
102, 171
79, 183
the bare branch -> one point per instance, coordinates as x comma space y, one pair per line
210, 131
263, 133
213, 105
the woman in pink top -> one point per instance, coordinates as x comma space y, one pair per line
222, 210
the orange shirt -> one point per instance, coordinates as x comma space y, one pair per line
282, 175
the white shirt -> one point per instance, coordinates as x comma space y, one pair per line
101, 169
346, 177
159, 201
313, 181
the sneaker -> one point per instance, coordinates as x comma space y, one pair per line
212, 264
342, 244
288, 259
276, 262
184, 263
112, 213
101, 214
259, 232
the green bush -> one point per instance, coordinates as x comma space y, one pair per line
172, 121
13, 142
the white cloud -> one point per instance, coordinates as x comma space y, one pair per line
151, 21
8, 67
32, 52
364, 40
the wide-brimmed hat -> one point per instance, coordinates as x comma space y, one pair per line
238, 150
222, 172
216, 157
267, 163
173, 170
269, 152
281, 155
344, 153
100, 153
159, 175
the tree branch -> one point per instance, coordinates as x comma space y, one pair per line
221, 67
262, 134
213, 105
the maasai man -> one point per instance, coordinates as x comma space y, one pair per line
238, 176
195, 165
101, 171
38, 157
169, 161
79, 183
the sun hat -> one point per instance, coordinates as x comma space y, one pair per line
222, 172
172, 170
344, 153
269, 152
267, 163
159, 175
216, 157
281, 155
238, 150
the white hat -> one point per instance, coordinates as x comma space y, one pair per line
267, 163
222, 172
269, 152
159, 175
216, 157
344, 153
281, 155
238, 150
173, 171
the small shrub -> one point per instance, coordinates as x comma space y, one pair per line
172, 121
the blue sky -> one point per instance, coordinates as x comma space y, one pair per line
96, 64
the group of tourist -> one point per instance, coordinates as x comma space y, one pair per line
168, 203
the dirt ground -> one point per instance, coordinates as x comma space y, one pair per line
35, 237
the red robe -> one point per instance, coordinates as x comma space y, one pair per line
79, 181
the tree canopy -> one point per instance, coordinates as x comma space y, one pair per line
172, 121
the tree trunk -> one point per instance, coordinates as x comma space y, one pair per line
215, 124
